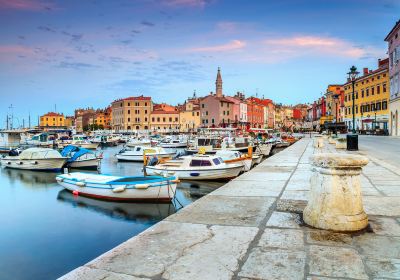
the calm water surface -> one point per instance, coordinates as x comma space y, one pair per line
46, 231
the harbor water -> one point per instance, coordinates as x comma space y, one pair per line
46, 231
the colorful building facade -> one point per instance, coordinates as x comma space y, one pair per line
393, 39
371, 99
53, 120
131, 113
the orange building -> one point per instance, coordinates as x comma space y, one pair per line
255, 113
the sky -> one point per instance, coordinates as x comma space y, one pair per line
62, 55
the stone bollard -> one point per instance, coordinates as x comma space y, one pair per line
335, 201
318, 141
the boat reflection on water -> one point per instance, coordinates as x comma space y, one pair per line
138, 212
30, 178
193, 190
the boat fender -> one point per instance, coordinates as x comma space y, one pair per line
80, 184
34, 162
176, 181
142, 186
75, 193
119, 189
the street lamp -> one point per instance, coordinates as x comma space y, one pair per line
352, 140
353, 76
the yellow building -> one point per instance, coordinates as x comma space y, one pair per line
371, 92
132, 113
189, 116
52, 119
165, 121
334, 98
69, 121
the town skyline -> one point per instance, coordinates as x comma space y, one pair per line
90, 54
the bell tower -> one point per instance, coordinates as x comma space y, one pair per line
218, 84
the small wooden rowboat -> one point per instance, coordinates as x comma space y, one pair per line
134, 188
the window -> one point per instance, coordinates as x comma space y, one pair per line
176, 119
198, 162
384, 105
170, 119
216, 161
129, 104
158, 119
384, 87
145, 111
152, 119
145, 104
129, 111
362, 94
163, 119
378, 106
378, 89
367, 91
129, 119
372, 91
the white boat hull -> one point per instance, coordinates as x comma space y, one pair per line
198, 174
85, 164
90, 146
164, 193
52, 164
265, 149
173, 146
139, 158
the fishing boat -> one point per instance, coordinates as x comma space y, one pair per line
132, 188
40, 140
197, 167
81, 158
235, 157
173, 143
83, 142
105, 140
136, 153
40, 159
133, 142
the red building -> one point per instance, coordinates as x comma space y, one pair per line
255, 112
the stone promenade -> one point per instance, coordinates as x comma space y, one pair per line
252, 228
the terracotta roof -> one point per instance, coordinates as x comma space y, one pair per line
134, 98
52, 114
393, 29
164, 112
380, 69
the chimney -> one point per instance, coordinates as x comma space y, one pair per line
365, 71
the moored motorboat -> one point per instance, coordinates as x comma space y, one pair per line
197, 167
40, 159
132, 188
136, 153
81, 158
83, 142
235, 157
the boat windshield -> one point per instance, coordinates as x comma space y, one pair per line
199, 162
216, 161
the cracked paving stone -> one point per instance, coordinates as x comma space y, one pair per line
282, 238
336, 262
284, 220
274, 264
215, 258
378, 246
225, 210
97, 274
383, 267
149, 253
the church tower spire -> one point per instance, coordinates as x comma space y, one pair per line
218, 84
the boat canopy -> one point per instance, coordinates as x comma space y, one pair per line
39, 153
77, 152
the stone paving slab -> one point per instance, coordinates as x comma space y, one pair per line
252, 228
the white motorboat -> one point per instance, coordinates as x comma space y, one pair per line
235, 157
133, 142
83, 142
105, 140
173, 144
41, 159
81, 158
40, 140
136, 153
197, 167
257, 158
134, 188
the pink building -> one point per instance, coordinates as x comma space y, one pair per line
215, 109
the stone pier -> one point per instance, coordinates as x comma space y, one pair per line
252, 228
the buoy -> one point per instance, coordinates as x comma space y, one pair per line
75, 193
142, 186
119, 189
80, 184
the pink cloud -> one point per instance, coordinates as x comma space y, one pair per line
29, 5
15, 49
231, 46
303, 45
